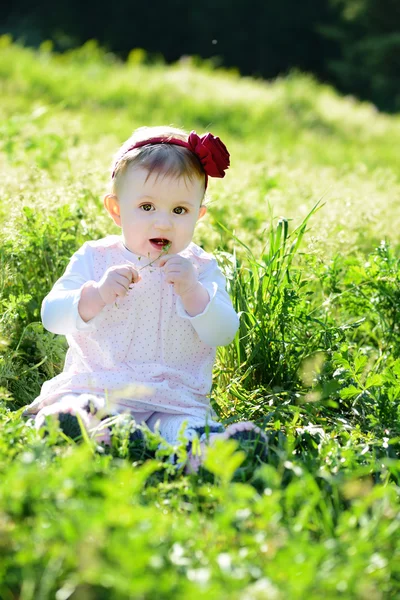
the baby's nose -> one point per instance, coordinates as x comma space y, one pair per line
162, 222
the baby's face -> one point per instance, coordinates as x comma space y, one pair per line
159, 212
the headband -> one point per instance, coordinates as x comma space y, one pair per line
211, 152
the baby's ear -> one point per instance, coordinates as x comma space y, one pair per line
202, 211
111, 204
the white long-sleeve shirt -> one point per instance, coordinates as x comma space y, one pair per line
143, 352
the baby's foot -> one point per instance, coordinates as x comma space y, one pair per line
67, 418
69, 423
250, 437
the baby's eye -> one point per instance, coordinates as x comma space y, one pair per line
146, 207
179, 210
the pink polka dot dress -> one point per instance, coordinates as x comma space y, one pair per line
143, 353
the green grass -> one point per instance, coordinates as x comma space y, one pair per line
316, 362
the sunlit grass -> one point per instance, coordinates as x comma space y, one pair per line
297, 225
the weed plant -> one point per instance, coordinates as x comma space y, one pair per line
316, 362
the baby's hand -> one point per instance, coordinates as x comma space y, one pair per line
180, 272
116, 281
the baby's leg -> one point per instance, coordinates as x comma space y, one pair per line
251, 438
169, 426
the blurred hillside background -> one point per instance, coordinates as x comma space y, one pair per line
353, 45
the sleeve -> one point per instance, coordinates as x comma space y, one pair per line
218, 323
60, 307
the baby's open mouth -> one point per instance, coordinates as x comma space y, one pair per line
160, 242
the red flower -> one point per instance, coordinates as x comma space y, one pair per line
212, 153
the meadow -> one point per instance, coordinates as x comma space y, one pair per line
305, 226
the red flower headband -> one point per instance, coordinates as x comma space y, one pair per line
209, 149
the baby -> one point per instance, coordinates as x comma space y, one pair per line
144, 311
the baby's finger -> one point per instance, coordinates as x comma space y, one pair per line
173, 273
135, 275
166, 258
122, 280
129, 274
120, 289
125, 272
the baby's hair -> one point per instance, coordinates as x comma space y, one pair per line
162, 159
